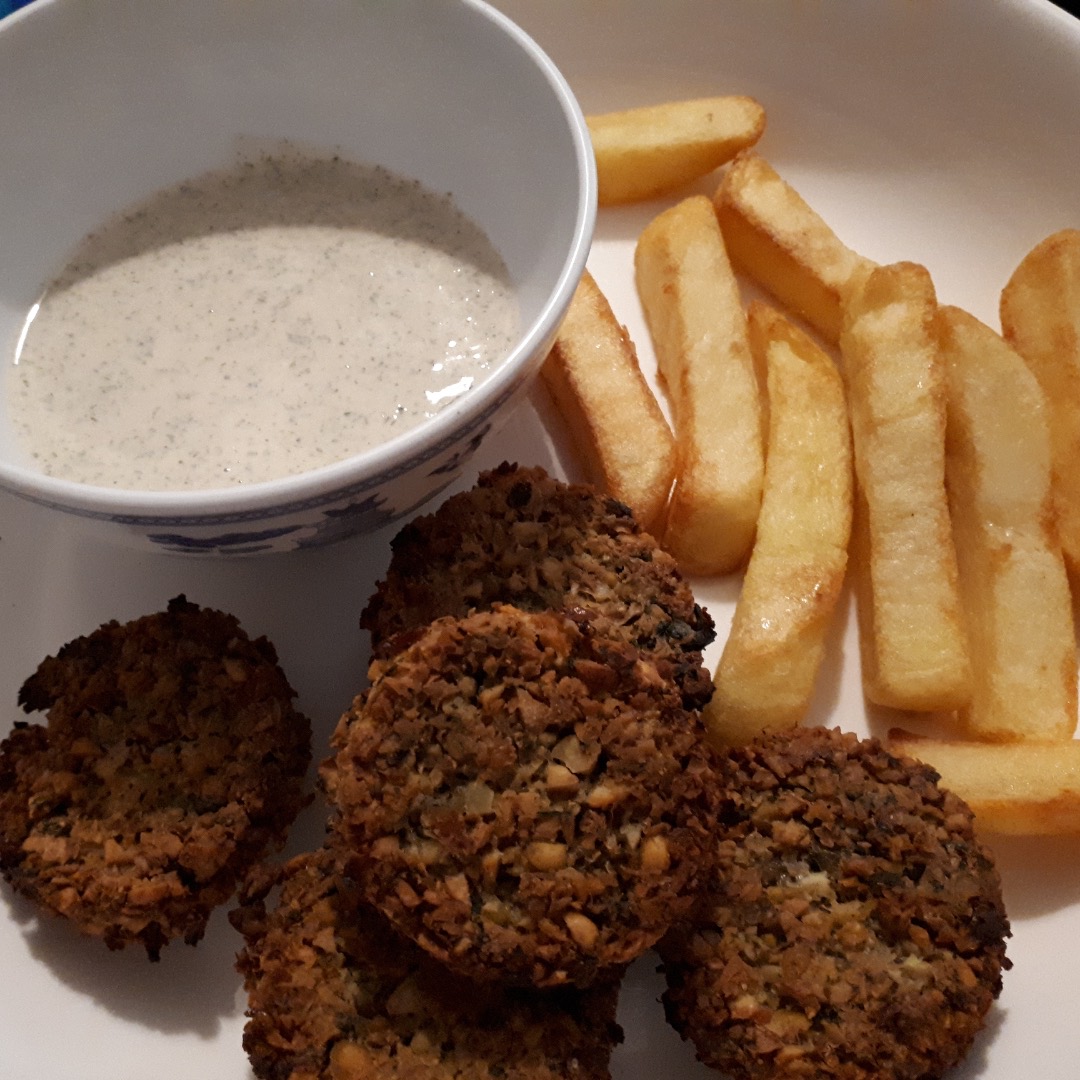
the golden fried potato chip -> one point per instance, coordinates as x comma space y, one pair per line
1013, 583
1040, 318
776, 238
913, 642
1024, 788
656, 149
593, 375
766, 675
695, 315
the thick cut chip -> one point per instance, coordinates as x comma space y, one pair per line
769, 665
1023, 788
593, 374
913, 642
1013, 583
776, 238
1040, 317
694, 310
649, 151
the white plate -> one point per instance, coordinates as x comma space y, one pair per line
941, 132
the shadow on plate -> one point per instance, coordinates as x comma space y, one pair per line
191, 989
1041, 874
976, 1062
651, 1047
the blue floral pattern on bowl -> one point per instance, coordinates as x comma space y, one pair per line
313, 522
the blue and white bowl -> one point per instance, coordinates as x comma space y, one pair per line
119, 98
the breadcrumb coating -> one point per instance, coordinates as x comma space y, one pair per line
854, 926
522, 796
335, 994
521, 537
171, 761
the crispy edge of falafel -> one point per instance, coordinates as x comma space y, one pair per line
522, 796
855, 925
522, 537
335, 993
171, 760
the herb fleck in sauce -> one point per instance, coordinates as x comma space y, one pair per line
256, 322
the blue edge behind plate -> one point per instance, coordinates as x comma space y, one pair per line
8, 6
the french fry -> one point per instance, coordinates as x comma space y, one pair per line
1040, 318
912, 638
1013, 583
656, 149
775, 237
695, 315
1025, 788
766, 675
592, 373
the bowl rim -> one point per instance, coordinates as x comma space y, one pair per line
363, 470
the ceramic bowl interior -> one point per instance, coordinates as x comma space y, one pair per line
119, 98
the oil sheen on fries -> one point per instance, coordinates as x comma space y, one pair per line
593, 374
649, 151
1028, 788
1013, 582
695, 315
1040, 317
784, 245
911, 630
766, 675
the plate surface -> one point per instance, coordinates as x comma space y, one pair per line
942, 133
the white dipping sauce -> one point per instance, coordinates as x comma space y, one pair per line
256, 322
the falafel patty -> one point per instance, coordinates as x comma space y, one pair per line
854, 927
335, 994
172, 759
521, 537
522, 796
